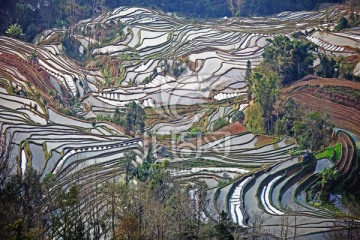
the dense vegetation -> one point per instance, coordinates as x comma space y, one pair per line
154, 208
332, 152
132, 117
34, 15
285, 61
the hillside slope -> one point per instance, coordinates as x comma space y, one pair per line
338, 99
189, 77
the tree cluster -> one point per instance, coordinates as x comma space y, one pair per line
290, 59
337, 67
135, 117
285, 61
132, 117
34, 16
157, 207
308, 129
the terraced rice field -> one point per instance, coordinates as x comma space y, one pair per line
282, 193
215, 54
244, 173
343, 110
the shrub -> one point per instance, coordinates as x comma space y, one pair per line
135, 117
342, 24
109, 37
220, 123
195, 132
239, 116
177, 71
71, 46
67, 111
15, 31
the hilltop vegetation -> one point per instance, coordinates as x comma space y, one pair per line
34, 15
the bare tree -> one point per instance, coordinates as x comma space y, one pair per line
97, 6
284, 226
350, 230
74, 11
98, 29
231, 7
257, 221
295, 221
239, 4
7, 164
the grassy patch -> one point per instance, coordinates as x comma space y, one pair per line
332, 208
326, 153
262, 140
337, 151
333, 152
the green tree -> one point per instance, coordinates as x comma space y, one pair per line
231, 7
254, 119
67, 221
248, 72
287, 116
129, 167
25, 15
224, 228
116, 197
118, 118
291, 60
248, 75
239, 116
328, 67
31, 32
327, 176
135, 117
342, 24
98, 30
97, 6
74, 11
143, 170
346, 68
22, 207
15, 31
265, 87
310, 131
239, 5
